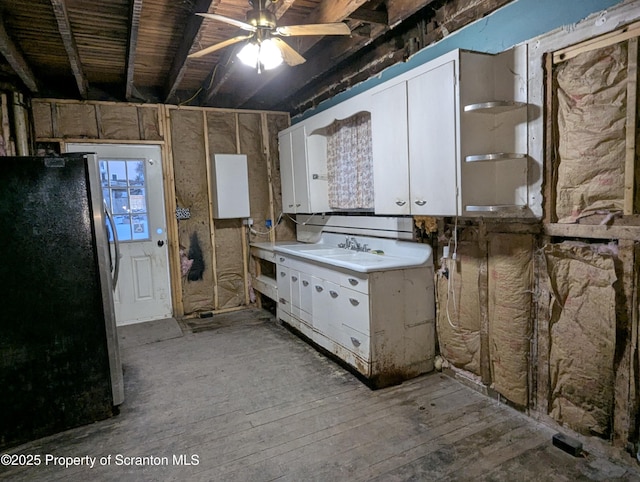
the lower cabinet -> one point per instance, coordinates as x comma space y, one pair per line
380, 323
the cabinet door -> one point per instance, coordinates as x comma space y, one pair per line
300, 171
284, 288
433, 142
286, 172
306, 298
294, 277
390, 150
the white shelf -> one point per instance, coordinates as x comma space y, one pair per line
494, 107
495, 208
496, 156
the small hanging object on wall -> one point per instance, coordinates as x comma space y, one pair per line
182, 213
195, 254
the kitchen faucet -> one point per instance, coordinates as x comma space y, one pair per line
353, 244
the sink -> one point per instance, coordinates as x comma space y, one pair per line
358, 257
323, 251
397, 254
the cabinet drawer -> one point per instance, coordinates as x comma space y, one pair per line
284, 286
356, 282
355, 342
282, 259
354, 310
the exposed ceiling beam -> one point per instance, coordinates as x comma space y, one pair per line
451, 15
370, 16
326, 12
192, 34
15, 58
398, 10
281, 7
69, 42
132, 44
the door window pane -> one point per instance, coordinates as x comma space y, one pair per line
124, 190
140, 227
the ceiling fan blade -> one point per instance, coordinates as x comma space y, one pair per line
230, 21
337, 28
289, 55
218, 46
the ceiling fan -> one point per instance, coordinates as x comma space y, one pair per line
264, 49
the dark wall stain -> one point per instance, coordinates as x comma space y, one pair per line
195, 254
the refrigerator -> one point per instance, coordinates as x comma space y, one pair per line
59, 358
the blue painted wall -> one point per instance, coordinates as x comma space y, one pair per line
517, 22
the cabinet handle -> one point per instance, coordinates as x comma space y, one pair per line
297, 205
401, 203
355, 341
290, 205
353, 281
421, 203
305, 283
282, 273
319, 288
283, 301
282, 260
294, 278
354, 302
333, 294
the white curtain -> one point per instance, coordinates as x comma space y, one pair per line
349, 163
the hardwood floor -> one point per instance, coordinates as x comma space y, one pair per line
242, 399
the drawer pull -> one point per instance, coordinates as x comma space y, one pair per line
355, 342
319, 288
282, 260
399, 203
333, 294
354, 302
421, 203
282, 273
353, 281
283, 301
294, 278
305, 282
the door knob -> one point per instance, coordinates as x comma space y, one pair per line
161, 243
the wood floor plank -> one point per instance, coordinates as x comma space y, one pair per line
255, 403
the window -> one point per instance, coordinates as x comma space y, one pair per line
124, 190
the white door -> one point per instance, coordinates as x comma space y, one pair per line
131, 177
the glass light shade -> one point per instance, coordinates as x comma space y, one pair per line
248, 55
270, 55
265, 55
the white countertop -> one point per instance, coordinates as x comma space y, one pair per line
380, 254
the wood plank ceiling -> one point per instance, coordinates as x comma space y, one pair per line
136, 50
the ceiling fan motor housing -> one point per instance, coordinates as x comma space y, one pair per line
261, 18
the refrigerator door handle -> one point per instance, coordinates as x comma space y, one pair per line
116, 244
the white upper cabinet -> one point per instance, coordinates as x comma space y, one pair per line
413, 127
294, 170
450, 137
432, 141
303, 170
390, 151
494, 132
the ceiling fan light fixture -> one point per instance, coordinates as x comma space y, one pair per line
260, 55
